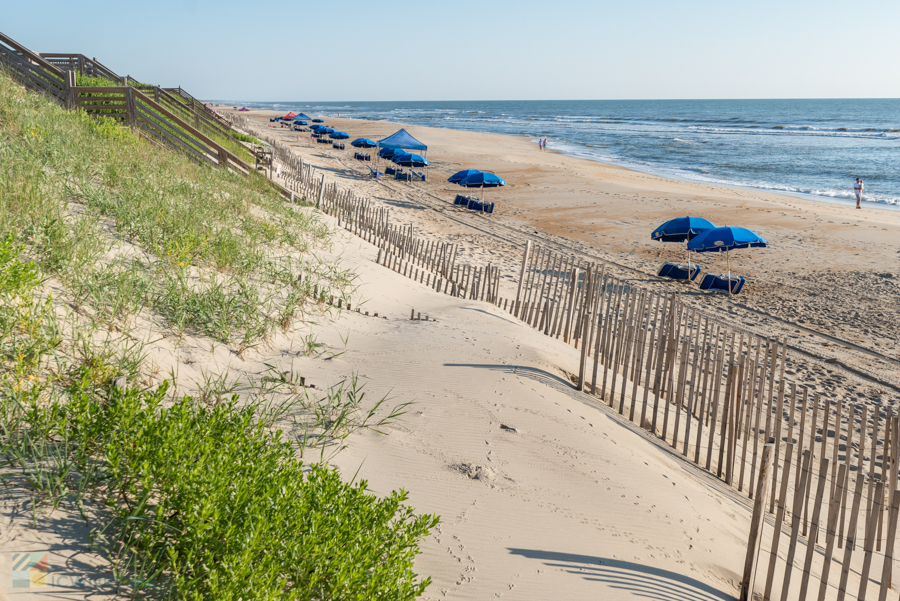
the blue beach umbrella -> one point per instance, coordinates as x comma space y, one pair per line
482, 179
338, 135
326, 130
363, 143
387, 153
682, 229
410, 160
726, 239
317, 121
300, 122
461, 175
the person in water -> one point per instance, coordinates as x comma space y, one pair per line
858, 188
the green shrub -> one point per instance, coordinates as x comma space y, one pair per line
218, 508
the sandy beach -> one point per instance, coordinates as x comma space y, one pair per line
541, 490
828, 280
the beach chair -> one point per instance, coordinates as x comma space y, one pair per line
719, 283
374, 173
389, 171
402, 175
679, 271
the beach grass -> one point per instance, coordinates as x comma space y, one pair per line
204, 496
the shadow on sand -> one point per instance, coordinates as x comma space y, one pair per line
642, 581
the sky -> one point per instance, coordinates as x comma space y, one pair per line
481, 50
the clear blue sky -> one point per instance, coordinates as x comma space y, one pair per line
481, 49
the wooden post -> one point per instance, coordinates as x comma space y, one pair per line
779, 519
831, 527
814, 525
71, 83
870, 539
321, 190
795, 526
851, 532
129, 106
572, 284
589, 282
889, 551
756, 523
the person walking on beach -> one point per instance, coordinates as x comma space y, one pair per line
858, 190
541, 144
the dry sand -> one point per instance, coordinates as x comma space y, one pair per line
561, 504
829, 280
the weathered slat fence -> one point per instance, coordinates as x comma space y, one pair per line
827, 468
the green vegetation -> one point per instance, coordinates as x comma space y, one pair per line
202, 497
242, 137
198, 241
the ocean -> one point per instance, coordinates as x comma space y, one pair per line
809, 147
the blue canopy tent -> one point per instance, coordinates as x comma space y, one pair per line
401, 140
681, 229
363, 143
303, 116
726, 239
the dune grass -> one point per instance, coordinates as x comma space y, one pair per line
77, 188
205, 497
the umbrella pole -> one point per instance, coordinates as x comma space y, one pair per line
689, 262
728, 263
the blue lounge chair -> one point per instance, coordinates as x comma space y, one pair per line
375, 174
720, 282
679, 271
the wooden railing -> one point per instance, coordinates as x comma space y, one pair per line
31, 69
201, 118
134, 108
198, 105
162, 118
82, 64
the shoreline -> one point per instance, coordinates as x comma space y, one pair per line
659, 171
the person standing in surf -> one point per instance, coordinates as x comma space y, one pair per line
858, 190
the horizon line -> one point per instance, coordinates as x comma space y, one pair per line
566, 100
